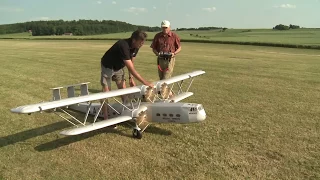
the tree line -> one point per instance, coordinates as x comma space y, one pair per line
76, 27
285, 27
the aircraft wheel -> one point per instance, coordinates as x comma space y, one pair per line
136, 134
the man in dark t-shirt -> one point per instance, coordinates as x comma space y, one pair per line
120, 55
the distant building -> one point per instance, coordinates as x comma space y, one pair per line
30, 31
67, 34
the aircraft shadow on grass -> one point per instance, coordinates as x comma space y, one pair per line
52, 128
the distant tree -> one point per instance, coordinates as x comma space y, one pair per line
281, 27
294, 26
80, 27
60, 30
2, 30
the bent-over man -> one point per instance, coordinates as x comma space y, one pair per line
120, 55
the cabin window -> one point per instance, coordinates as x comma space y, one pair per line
158, 114
171, 115
178, 115
164, 115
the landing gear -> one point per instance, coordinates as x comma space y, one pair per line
137, 134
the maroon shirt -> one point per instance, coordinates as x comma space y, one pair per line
166, 42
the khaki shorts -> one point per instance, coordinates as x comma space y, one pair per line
165, 68
108, 75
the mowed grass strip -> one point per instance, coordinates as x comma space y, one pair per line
262, 105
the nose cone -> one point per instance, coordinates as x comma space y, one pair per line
201, 116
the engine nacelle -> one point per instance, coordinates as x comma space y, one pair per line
148, 94
163, 90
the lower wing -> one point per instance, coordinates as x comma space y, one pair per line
96, 125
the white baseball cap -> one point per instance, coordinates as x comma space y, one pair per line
165, 23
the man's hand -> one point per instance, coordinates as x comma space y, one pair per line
131, 82
149, 84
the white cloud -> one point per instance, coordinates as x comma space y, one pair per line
99, 2
187, 15
40, 19
44, 18
10, 9
113, 2
210, 9
135, 10
154, 7
287, 6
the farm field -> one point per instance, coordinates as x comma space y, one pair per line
262, 106
310, 37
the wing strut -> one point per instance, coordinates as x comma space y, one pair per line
97, 113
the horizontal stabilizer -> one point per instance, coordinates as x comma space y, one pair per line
180, 97
95, 126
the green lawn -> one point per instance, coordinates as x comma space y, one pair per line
262, 105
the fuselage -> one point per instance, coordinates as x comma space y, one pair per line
175, 113
153, 112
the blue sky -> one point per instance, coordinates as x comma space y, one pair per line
181, 13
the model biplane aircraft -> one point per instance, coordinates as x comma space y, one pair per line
144, 105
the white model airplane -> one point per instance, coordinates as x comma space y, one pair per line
146, 105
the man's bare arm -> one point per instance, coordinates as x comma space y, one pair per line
133, 58
155, 52
135, 74
177, 51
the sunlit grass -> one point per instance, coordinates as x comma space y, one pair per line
262, 105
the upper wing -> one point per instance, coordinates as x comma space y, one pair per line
74, 100
181, 77
163, 89
97, 96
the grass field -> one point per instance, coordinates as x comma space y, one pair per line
309, 37
262, 105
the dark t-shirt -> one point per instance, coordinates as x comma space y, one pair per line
114, 58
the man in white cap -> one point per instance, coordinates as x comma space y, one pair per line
166, 45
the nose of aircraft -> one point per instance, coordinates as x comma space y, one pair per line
201, 115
